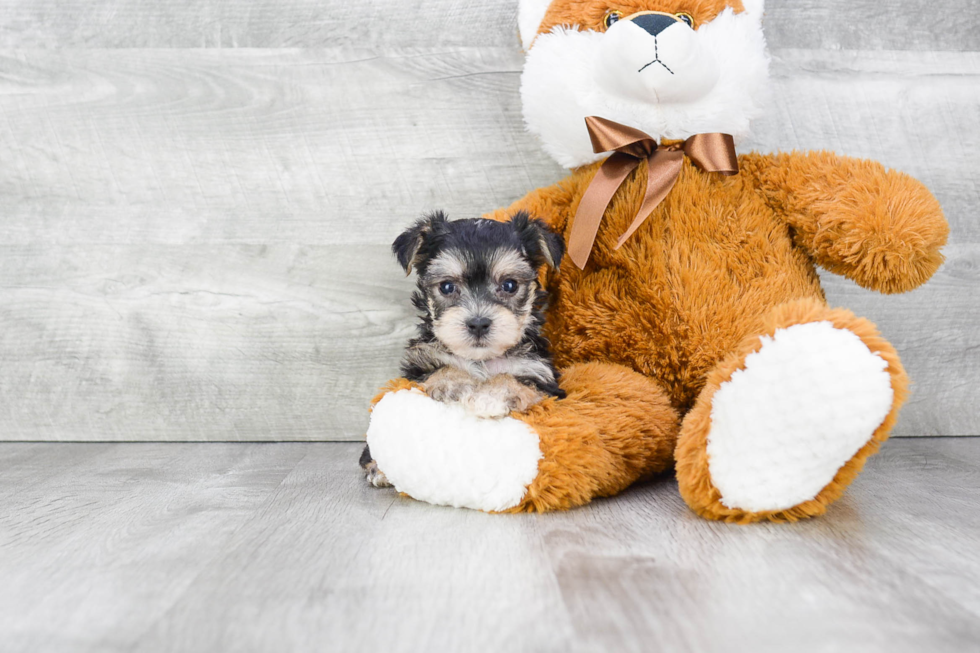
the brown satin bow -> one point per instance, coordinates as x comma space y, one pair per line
710, 152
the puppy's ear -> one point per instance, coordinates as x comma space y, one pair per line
538, 239
407, 246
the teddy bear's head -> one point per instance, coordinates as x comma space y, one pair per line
671, 68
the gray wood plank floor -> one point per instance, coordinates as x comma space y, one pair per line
282, 547
193, 243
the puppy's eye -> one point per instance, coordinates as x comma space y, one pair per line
687, 18
447, 287
509, 286
611, 18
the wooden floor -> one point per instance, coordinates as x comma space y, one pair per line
282, 547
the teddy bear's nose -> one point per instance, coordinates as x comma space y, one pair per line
655, 23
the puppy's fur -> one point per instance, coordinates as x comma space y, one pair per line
481, 310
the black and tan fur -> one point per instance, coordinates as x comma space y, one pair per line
481, 310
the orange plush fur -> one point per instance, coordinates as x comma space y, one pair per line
614, 428
708, 265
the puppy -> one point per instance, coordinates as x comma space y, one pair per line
481, 310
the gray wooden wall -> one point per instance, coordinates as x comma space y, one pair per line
197, 196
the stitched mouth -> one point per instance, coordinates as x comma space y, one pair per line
657, 60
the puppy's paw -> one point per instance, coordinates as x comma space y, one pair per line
500, 396
487, 405
372, 474
521, 397
375, 476
449, 384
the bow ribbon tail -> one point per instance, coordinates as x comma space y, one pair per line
663, 169
593, 205
713, 153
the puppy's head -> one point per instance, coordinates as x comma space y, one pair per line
478, 279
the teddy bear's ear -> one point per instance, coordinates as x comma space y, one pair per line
530, 13
408, 245
540, 242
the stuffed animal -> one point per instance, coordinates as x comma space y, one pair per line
690, 323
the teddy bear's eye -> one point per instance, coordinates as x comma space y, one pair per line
611, 18
687, 18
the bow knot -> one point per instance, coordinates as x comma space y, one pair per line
711, 152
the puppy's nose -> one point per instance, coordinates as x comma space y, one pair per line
655, 23
478, 326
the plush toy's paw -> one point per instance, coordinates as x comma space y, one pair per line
779, 432
440, 453
878, 227
799, 409
886, 233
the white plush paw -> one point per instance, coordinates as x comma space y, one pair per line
440, 453
800, 408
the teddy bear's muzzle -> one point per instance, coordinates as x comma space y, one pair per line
655, 57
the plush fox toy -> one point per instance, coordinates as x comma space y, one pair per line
690, 323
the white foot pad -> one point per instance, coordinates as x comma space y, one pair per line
801, 407
441, 454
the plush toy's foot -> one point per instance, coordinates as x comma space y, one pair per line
614, 427
785, 424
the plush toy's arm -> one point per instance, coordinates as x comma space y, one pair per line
880, 228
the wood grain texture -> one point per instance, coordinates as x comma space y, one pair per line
255, 24
110, 534
256, 146
194, 242
276, 547
345, 146
195, 245
822, 24
198, 342
920, 25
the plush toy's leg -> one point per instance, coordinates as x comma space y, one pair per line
614, 427
786, 422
